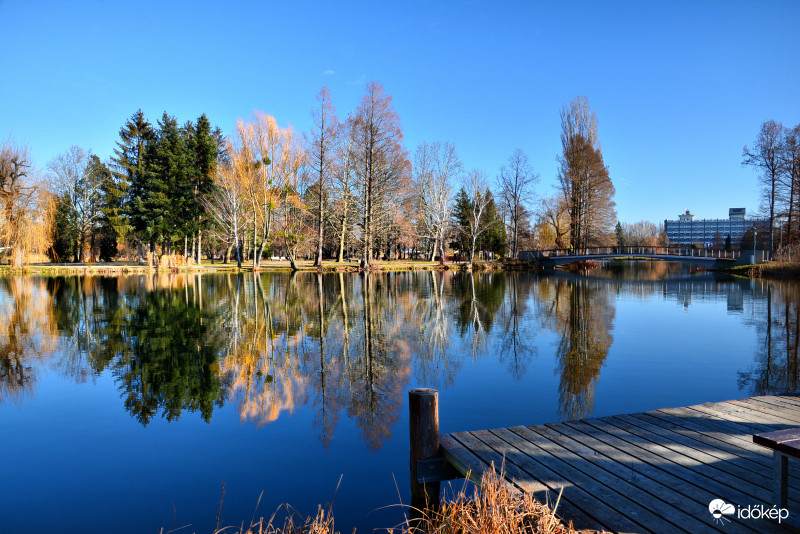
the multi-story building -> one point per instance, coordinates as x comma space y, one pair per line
713, 232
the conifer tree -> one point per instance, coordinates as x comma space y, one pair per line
130, 164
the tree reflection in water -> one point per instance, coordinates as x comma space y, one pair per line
341, 343
582, 311
28, 336
777, 322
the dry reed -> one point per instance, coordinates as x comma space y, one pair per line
494, 509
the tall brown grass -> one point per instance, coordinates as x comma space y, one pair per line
494, 509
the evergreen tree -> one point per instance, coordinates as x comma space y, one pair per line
114, 225
130, 160
65, 237
494, 239
204, 149
462, 208
165, 196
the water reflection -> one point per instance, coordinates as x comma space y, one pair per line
27, 335
777, 321
582, 311
350, 345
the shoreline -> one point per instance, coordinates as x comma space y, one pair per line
268, 266
767, 271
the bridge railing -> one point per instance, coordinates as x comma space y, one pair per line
633, 251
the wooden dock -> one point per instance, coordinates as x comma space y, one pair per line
655, 472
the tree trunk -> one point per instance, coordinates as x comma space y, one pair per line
320, 228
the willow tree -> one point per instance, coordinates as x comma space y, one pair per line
583, 176
381, 164
25, 208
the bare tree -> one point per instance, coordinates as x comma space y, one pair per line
227, 205
638, 234
25, 209
381, 164
790, 162
554, 221
293, 183
344, 188
583, 176
477, 187
764, 156
322, 159
74, 180
436, 167
516, 184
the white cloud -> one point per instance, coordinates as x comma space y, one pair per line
360, 81
329, 72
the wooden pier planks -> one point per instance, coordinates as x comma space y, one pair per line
647, 472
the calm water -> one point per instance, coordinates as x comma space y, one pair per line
126, 402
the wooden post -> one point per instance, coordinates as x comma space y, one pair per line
423, 406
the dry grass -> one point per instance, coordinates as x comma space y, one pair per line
493, 510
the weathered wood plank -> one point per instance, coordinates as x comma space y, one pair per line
709, 435
714, 466
733, 413
541, 466
724, 461
629, 499
702, 488
464, 460
726, 487
638, 473
528, 475
789, 415
653, 471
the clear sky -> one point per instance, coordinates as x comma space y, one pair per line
678, 87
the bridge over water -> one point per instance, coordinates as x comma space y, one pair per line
705, 257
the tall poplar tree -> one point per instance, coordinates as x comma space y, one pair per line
381, 164
585, 183
322, 160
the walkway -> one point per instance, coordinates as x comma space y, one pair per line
655, 472
703, 257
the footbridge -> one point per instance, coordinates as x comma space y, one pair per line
705, 257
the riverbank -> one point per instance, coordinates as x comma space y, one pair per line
126, 268
492, 509
770, 271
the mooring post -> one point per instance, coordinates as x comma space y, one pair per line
423, 406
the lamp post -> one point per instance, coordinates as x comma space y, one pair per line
755, 233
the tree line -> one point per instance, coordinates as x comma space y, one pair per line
346, 189
775, 154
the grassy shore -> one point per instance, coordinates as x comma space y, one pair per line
123, 268
775, 270
492, 510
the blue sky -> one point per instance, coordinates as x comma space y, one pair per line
678, 87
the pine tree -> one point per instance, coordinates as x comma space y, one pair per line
494, 239
130, 162
115, 224
462, 208
167, 190
203, 152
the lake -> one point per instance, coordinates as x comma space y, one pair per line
127, 402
